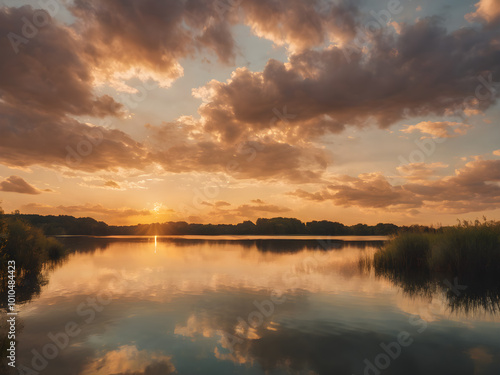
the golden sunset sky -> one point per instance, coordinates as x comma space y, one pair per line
229, 110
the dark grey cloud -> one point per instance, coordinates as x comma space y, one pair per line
152, 34
35, 138
49, 73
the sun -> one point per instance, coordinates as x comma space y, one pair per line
157, 208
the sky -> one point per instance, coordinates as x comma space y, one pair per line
220, 111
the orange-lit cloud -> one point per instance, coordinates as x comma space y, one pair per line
324, 92
276, 116
474, 188
442, 129
128, 360
112, 184
486, 10
148, 38
301, 24
225, 212
16, 184
87, 209
420, 171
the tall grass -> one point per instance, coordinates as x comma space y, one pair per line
33, 253
406, 251
469, 251
29, 247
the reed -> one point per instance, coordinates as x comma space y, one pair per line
467, 249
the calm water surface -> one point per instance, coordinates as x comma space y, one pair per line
241, 305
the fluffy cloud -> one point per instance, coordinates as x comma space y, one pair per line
440, 129
180, 147
473, 188
35, 138
50, 72
257, 125
149, 37
301, 24
486, 10
128, 360
370, 190
422, 71
16, 184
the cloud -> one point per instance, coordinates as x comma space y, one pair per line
34, 138
85, 209
486, 10
16, 184
257, 201
128, 360
434, 72
155, 368
183, 147
149, 37
247, 210
371, 190
112, 184
99, 209
256, 125
473, 188
420, 171
50, 72
216, 204
301, 24
253, 210
441, 129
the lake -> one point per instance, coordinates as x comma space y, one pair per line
246, 305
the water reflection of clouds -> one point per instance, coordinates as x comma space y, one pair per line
332, 347
196, 269
173, 306
128, 360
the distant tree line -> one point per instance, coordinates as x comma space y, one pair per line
69, 225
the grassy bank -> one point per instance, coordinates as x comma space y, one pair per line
468, 249
420, 262
33, 253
